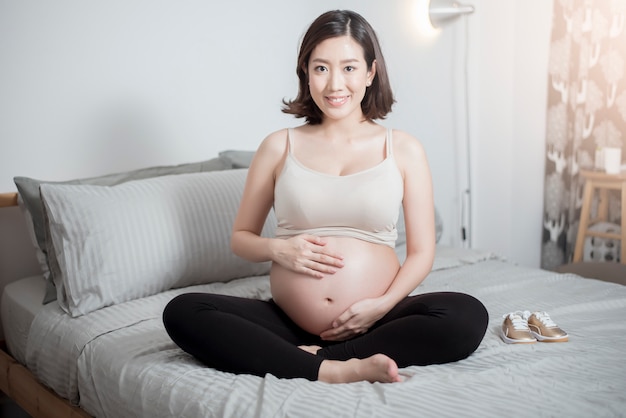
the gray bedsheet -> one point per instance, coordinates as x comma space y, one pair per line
122, 363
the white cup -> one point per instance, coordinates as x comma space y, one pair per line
612, 160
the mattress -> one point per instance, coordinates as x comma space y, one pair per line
119, 361
21, 302
57, 341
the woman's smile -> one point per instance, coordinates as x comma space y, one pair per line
337, 100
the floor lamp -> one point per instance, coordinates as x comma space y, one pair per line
442, 12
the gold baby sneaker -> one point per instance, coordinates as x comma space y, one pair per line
515, 329
543, 328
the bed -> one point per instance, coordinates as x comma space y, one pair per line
112, 357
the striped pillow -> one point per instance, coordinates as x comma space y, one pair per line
109, 245
32, 207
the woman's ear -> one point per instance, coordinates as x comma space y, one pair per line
371, 73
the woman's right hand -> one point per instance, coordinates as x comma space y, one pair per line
306, 254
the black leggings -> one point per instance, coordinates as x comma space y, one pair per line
256, 337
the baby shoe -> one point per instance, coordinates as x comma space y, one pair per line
515, 329
543, 328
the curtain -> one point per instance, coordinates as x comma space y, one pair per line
586, 111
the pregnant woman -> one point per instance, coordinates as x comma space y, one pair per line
340, 310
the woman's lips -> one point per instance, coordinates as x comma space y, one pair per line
337, 101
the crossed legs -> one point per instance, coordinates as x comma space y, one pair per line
256, 337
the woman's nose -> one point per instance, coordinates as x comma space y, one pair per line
336, 81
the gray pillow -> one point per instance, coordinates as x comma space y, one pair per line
438, 225
239, 159
113, 244
28, 189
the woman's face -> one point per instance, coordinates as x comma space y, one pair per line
338, 77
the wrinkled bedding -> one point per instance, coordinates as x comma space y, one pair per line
119, 361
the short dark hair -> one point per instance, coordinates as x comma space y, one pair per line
378, 98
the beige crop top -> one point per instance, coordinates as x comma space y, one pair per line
363, 205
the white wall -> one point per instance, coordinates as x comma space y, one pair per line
509, 58
88, 88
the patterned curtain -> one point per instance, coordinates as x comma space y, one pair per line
586, 111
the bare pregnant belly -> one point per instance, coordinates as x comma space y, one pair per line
314, 303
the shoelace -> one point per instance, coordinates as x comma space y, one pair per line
518, 321
545, 319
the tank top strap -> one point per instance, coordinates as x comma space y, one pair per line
289, 140
388, 143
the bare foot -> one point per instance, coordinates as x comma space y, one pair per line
377, 368
313, 349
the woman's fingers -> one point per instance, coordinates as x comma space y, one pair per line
341, 334
311, 256
320, 268
319, 247
330, 260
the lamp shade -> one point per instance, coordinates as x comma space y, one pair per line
445, 11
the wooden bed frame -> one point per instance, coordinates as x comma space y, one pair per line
8, 199
19, 384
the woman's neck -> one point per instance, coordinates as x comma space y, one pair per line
344, 128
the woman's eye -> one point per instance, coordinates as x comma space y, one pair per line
320, 68
350, 68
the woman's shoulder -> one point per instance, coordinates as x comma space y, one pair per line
273, 149
408, 151
274, 143
276, 138
405, 143
277, 141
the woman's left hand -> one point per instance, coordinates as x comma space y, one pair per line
357, 319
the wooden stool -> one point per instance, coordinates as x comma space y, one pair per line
603, 182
